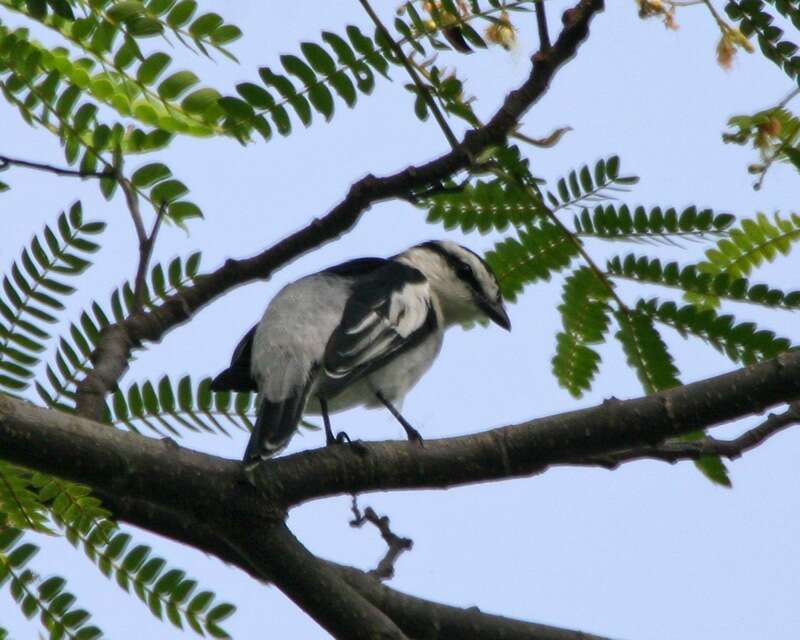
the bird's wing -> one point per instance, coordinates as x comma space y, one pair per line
387, 313
238, 377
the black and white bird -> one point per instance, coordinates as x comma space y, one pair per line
360, 333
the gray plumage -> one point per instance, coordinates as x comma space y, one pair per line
361, 333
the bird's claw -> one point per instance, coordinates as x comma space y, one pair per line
249, 472
415, 437
343, 438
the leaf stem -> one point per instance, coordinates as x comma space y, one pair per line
7, 161
421, 86
541, 24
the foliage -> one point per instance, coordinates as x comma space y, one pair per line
166, 409
614, 222
72, 356
116, 98
32, 500
585, 314
46, 597
35, 291
754, 19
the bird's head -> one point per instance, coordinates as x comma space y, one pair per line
465, 286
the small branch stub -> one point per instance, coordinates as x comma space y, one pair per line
397, 545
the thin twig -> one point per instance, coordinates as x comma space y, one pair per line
396, 544
145, 253
673, 451
789, 97
145, 244
421, 86
543, 143
541, 23
6, 161
133, 207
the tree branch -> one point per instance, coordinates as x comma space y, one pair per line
168, 489
111, 356
421, 86
6, 161
313, 585
396, 545
541, 24
531, 447
166, 474
673, 451
417, 617
145, 253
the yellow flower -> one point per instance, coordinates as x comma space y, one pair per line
730, 42
502, 32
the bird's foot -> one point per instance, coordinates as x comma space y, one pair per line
414, 436
249, 472
343, 438
169, 443
339, 438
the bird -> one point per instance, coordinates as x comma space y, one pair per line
361, 333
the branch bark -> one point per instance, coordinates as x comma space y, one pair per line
531, 447
425, 619
673, 451
167, 474
111, 356
417, 617
313, 585
206, 501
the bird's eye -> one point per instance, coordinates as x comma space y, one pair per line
464, 271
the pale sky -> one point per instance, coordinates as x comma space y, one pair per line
647, 552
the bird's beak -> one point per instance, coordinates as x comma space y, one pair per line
496, 312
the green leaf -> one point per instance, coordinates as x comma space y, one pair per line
585, 315
181, 13
753, 242
646, 351
177, 84
22, 305
542, 249
201, 100
152, 67
149, 174
483, 206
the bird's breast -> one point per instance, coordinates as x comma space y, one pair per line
394, 379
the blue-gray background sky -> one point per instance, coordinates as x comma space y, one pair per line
650, 551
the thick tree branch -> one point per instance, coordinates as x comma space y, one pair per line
415, 616
531, 447
205, 501
143, 468
425, 619
110, 359
313, 585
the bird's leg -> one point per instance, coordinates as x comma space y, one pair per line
339, 438
411, 432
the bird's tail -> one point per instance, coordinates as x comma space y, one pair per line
275, 426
